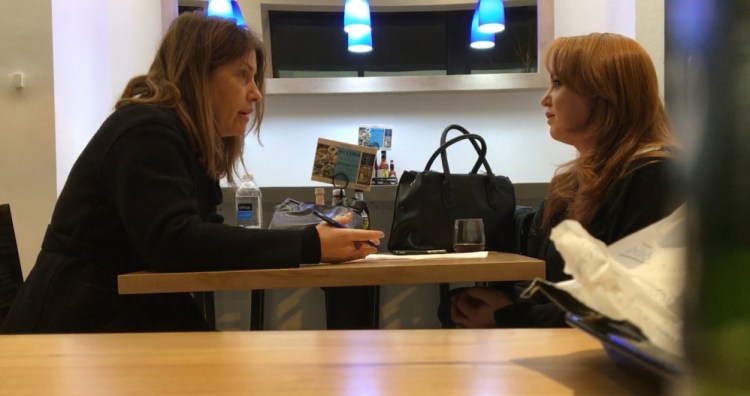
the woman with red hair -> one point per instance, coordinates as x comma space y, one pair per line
603, 99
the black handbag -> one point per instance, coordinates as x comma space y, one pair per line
428, 203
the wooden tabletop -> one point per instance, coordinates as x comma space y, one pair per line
495, 267
354, 362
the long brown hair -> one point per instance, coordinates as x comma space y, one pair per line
193, 47
628, 118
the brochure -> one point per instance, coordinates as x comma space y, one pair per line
349, 165
379, 137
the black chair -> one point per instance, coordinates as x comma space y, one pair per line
11, 276
523, 220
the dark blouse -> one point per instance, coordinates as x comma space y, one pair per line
643, 196
139, 197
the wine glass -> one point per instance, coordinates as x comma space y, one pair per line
468, 235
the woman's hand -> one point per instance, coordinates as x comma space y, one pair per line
345, 244
475, 307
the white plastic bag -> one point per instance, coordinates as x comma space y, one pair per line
639, 278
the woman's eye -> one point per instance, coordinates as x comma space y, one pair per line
556, 83
245, 75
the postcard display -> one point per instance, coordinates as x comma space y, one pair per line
379, 137
343, 164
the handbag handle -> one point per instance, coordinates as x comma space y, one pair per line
481, 151
480, 161
492, 188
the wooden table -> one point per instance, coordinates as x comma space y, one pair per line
495, 267
353, 362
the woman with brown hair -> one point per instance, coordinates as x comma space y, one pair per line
603, 99
143, 194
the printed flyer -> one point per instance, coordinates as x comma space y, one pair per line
344, 162
379, 137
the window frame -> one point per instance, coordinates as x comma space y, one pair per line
411, 84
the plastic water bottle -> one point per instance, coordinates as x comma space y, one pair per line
249, 204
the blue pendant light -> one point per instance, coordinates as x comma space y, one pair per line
360, 43
238, 14
480, 40
357, 17
220, 8
491, 16
226, 9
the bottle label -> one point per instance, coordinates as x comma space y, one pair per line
245, 212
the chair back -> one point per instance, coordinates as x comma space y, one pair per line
523, 219
11, 276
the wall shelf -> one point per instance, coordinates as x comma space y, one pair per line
406, 84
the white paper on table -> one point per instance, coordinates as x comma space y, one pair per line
379, 256
639, 278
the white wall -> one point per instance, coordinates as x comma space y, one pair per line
642, 20
513, 124
27, 128
649, 32
576, 17
99, 46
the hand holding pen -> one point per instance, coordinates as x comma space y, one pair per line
339, 243
337, 224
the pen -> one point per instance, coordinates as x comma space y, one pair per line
337, 224
428, 251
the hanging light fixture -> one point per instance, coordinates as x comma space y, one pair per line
357, 17
480, 40
238, 14
360, 43
226, 9
220, 8
491, 16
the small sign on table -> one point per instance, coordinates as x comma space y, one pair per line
343, 162
379, 137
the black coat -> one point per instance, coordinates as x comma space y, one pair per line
139, 197
642, 197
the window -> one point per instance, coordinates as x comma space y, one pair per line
441, 61
412, 43
191, 6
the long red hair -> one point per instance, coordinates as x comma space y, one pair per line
628, 118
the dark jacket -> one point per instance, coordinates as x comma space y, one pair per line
139, 197
643, 196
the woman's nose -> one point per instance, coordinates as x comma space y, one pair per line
254, 95
545, 99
